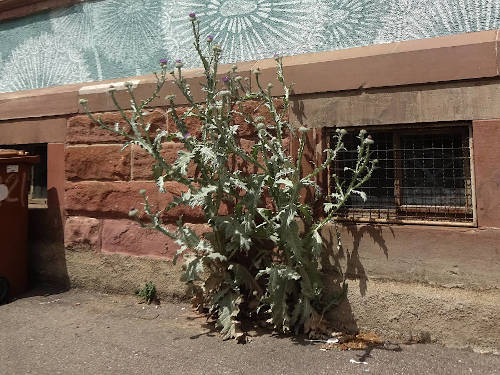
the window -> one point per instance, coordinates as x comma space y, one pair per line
423, 175
37, 197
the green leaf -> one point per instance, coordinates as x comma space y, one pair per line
362, 194
216, 256
285, 181
328, 206
182, 163
317, 244
281, 283
242, 276
157, 171
228, 310
193, 268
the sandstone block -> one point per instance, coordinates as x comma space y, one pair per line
112, 199
98, 162
254, 109
82, 130
142, 162
193, 124
82, 233
127, 237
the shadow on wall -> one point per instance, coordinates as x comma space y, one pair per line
46, 244
342, 263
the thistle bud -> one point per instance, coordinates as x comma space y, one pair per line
260, 126
259, 118
128, 84
256, 71
362, 132
368, 141
133, 212
269, 86
303, 129
234, 67
169, 97
142, 191
342, 131
83, 101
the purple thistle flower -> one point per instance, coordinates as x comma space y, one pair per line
163, 61
210, 38
178, 61
187, 135
192, 15
225, 79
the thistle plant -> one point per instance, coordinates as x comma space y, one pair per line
263, 256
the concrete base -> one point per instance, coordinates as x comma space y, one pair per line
455, 314
449, 316
115, 273
453, 317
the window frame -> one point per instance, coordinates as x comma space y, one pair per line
460, 127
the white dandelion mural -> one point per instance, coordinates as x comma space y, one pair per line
406, 20
348, 23
118, 38
128, 31
77, 24
246, 29
465, 16
42, 62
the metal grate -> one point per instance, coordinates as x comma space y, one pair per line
422, 175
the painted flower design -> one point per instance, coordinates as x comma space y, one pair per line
245, 29
348, 23
77, 23
42, 62
409, 19
127, 31
464, 16
417, 19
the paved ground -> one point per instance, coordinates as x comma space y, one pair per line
78, 332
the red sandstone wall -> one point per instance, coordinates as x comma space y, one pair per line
102, 184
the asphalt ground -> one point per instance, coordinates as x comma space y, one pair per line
79, 332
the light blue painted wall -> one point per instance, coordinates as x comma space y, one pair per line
119, 38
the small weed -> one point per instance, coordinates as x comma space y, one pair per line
148, 293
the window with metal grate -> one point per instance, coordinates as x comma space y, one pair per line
423, 175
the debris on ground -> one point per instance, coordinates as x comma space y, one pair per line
358, 362
48, 302
345, 341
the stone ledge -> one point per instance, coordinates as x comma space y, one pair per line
448, 58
